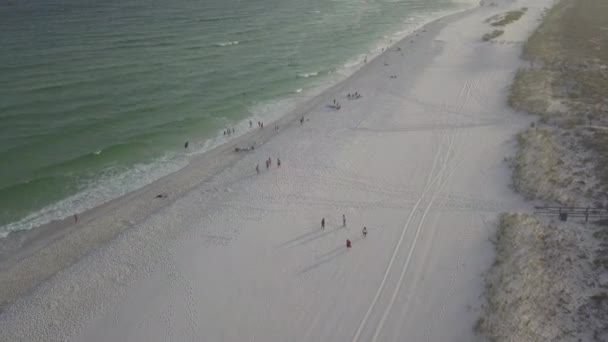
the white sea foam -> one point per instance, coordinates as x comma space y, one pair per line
308, 74
112, 184
236, 42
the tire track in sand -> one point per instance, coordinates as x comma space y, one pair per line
429, 185
442, 183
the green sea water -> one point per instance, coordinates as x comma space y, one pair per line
97, 97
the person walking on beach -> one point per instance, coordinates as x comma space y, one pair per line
278, 162
343, 220
348, 243
186, 144
250, 123
323, 223
75, 218
364, 232
302, 120
267, 164
257, 169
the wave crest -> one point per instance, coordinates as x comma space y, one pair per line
236, 42
308, 74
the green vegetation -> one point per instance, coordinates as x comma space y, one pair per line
566, 84
538, 167
507, 18
546, 281
530, 294
492, 35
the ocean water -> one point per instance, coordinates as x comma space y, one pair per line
97, 97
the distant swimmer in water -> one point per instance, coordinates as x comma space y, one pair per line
186, 144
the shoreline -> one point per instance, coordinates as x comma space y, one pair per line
229, 255
24, 269
35, 220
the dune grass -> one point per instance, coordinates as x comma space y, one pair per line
568, 57
492, 35
507, 18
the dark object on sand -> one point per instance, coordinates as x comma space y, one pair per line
244, 149
163, 195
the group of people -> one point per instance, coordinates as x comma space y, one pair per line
353, 96
260, 124
336, 105
348, 242
244, 149
268, 164
229, 131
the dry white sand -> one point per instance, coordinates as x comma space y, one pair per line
419, 160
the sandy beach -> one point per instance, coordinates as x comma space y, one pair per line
226, 254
